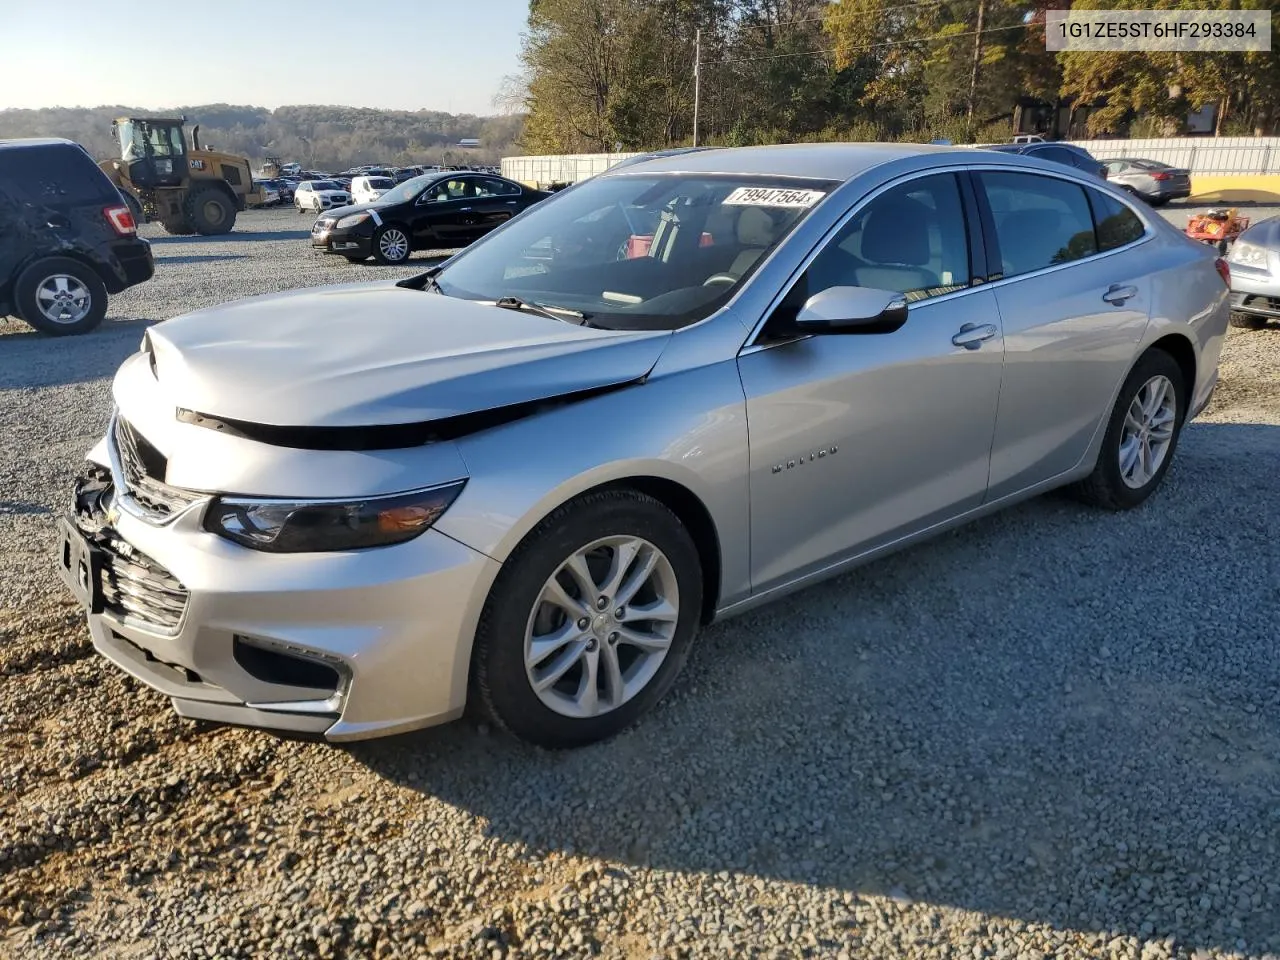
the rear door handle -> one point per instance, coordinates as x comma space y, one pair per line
57, 221
1117, 294
973, 335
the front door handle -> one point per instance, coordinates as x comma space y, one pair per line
973, 335
465, 209
1117, 294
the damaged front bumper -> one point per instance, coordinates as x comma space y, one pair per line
344, 645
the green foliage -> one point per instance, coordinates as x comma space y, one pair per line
329, 137
608, 72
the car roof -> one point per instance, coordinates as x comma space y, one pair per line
817, 161
38, 142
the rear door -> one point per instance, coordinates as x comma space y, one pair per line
497, 201
1074, 299
58, 196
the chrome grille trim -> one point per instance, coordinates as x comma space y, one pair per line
138, 492
139, 591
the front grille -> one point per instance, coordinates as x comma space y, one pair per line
137, 589
144, 469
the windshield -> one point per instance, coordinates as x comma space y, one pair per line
635, 251
407, 190
381, 183
325, 185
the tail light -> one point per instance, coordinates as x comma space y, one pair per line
121, 220
1224, 271
1162, 176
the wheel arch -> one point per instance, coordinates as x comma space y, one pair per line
689, 508
695, 517
100, 270
1179, 347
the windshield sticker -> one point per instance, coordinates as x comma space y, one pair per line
773, 197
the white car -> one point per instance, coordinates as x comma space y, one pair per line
369, 189
317, 195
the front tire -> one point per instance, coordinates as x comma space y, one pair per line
589, 622
210, 212
60, 297
1141, 436
391, 245
1247, 321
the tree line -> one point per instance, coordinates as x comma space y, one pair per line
323, 137
601, 75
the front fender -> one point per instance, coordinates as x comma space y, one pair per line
689, 428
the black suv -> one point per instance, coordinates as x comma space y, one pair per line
1065, 153
67, 237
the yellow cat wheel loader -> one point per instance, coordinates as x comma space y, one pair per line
188, 189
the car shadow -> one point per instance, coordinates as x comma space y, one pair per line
430, 260
243, 237
998, 720
36, 365
201, 258
22, 508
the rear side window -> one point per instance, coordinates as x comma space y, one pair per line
1039, 221
1116, 223
54, 175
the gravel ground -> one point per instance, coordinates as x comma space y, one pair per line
1053, 733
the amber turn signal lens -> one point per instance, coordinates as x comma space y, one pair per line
404, 519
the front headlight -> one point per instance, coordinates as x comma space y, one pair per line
312, 526
352, 220
1248, 254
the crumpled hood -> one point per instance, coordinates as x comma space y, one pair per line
367, 354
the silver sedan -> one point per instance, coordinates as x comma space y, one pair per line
1255, 275
522, 480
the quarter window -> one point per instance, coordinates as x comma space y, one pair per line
911, 239
1116, 223
1039, 221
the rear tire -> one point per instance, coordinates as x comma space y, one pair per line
60, 297
521, 612
1113, 487
1247, 321
178, 228
209, 211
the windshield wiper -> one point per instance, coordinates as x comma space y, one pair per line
549, 310
423, 281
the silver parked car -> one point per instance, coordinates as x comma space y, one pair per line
1153, 181
1255, 275
522, 480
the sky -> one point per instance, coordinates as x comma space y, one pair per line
396, 54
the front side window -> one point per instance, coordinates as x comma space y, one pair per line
1040, 221
912, 239
637, 251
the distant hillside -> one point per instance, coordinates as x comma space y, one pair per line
322, 136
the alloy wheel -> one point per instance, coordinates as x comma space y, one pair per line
1147, 434
62, 298
601, 626
393, 244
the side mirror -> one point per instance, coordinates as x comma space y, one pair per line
852, 310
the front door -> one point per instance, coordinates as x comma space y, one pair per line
445, 215
497, 201
860, 439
